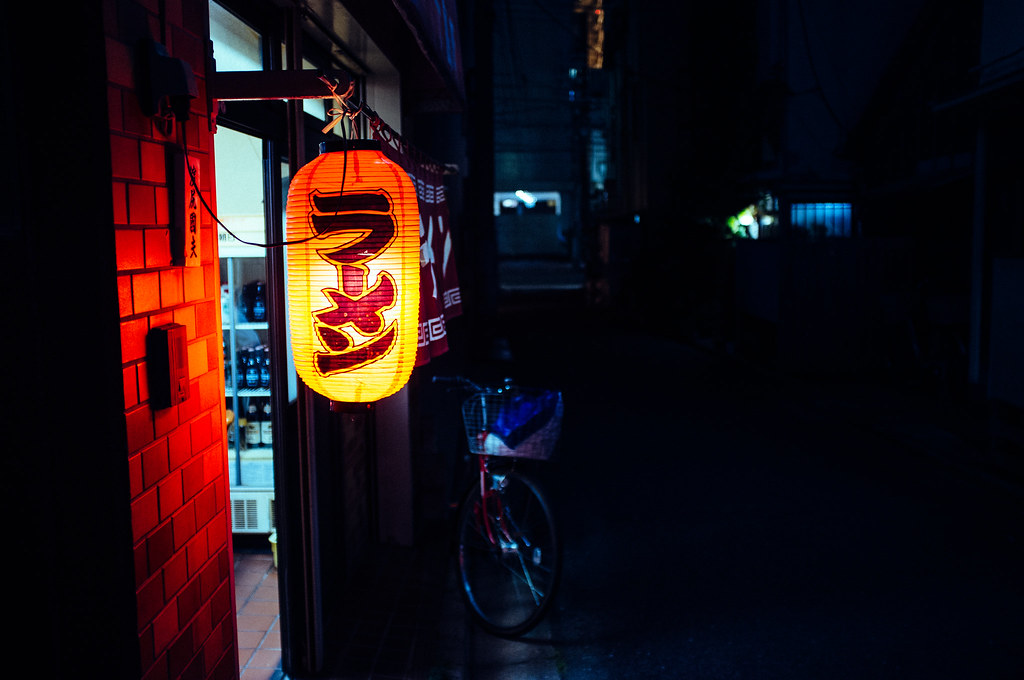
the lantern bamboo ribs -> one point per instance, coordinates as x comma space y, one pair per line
353, 272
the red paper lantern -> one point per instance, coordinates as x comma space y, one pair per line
353, 272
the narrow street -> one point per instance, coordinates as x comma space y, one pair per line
719, 522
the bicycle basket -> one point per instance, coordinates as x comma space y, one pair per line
522, 424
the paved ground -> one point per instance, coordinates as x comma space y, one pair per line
723, 522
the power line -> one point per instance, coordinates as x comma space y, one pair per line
814, 69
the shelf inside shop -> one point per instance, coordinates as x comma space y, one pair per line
247, 392
254, 453
247, 326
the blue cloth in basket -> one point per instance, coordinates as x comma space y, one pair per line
524, 414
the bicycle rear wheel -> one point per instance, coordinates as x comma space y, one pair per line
510, 563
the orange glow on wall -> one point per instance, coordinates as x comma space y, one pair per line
353, 272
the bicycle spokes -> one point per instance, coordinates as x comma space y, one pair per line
508, 556
508, 550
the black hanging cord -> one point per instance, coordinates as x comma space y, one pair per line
384, 133
814, 70
192, 181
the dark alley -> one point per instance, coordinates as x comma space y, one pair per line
764, 259
723, 521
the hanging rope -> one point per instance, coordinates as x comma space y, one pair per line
342, 100
343, 110
347, 109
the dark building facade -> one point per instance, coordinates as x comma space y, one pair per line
825, 188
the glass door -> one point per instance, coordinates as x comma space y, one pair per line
248, 352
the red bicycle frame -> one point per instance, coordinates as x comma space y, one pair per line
484, 493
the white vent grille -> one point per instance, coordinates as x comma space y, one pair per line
244, 515
252, 512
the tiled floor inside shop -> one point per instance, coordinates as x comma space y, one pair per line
259, 620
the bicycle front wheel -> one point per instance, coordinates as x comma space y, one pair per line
509, 554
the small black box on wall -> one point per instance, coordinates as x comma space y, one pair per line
167, 360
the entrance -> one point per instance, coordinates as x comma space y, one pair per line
259, 382
253, 387
299, 469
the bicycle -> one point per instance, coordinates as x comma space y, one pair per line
508, 549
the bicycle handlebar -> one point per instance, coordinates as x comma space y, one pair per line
464, 382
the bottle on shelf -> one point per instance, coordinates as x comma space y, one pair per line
266, 425
254, 301
225, 303
240, 367
265, 367
227, 364
229, 417
242, 427
252, 369
248, 292
253, 424
259, 303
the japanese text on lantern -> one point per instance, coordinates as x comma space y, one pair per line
360, 227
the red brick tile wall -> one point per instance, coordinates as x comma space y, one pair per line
177, 460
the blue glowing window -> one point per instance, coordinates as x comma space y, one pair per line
822, 219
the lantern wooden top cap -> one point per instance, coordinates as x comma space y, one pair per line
349, 145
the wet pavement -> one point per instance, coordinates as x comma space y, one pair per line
722, 521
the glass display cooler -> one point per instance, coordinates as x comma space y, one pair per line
247, 360
249, 352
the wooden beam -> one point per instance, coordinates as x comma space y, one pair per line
273, 85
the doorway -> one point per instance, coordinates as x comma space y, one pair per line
252, 388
